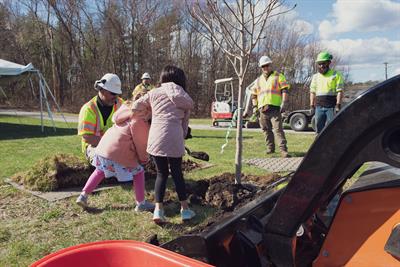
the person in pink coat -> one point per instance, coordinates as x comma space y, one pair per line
170, 106
121, 153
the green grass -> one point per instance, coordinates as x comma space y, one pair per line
201, 121
32, 228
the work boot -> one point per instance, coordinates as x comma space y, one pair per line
270, 151
285, 154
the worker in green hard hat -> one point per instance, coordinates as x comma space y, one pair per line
326, 91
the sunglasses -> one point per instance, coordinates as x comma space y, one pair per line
266, 66
111, 93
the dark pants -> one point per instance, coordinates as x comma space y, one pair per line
271, 122
323, 116
163, 165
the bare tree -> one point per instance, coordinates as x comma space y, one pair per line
236, 27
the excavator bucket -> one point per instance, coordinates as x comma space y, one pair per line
288, 227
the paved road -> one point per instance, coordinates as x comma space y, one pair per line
74, 118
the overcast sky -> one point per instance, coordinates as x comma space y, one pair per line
364, 33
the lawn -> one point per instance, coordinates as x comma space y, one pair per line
31, 227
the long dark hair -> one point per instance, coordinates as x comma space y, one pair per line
173, 74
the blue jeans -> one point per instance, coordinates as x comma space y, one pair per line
323, 116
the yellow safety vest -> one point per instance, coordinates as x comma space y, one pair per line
269, 91
327, 84
141, 88
91, 121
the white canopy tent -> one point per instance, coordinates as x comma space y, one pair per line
8, 68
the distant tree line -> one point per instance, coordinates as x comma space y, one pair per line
73, 43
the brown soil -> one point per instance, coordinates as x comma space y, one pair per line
221, 191
226, 196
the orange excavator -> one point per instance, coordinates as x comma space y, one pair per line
316, 220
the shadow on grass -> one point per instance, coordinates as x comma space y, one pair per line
297, 154
19, 131
121, 207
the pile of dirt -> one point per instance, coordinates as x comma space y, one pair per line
55, 172
65, 171
222, 193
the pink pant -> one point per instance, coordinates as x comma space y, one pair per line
97, 176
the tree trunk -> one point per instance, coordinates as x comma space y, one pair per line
239, 124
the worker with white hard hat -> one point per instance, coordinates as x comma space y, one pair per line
95, 115
269, 98
142, 88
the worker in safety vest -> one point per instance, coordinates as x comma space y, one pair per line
95, 116
142, 88
326, 91
270, 96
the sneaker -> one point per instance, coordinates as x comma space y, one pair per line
82, 201
158, 217
144, 206
285, 154
268, 152
187, 214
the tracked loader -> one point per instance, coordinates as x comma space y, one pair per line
315, 220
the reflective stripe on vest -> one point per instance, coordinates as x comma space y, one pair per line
99, 128
93, 107
327, 86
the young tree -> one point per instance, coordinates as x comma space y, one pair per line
236, 27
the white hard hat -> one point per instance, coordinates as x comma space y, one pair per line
146, 76
110, 82
264, 60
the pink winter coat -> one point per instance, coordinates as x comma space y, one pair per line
170, 107
126, 141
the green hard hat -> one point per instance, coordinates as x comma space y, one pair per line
324, 56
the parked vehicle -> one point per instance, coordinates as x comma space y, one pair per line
299, 120
225, 103
224, 107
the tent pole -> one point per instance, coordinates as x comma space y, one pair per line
32, 89
41, 105
54, 99
42, 86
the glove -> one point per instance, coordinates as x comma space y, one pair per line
284, 107
338, 107
312, 110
